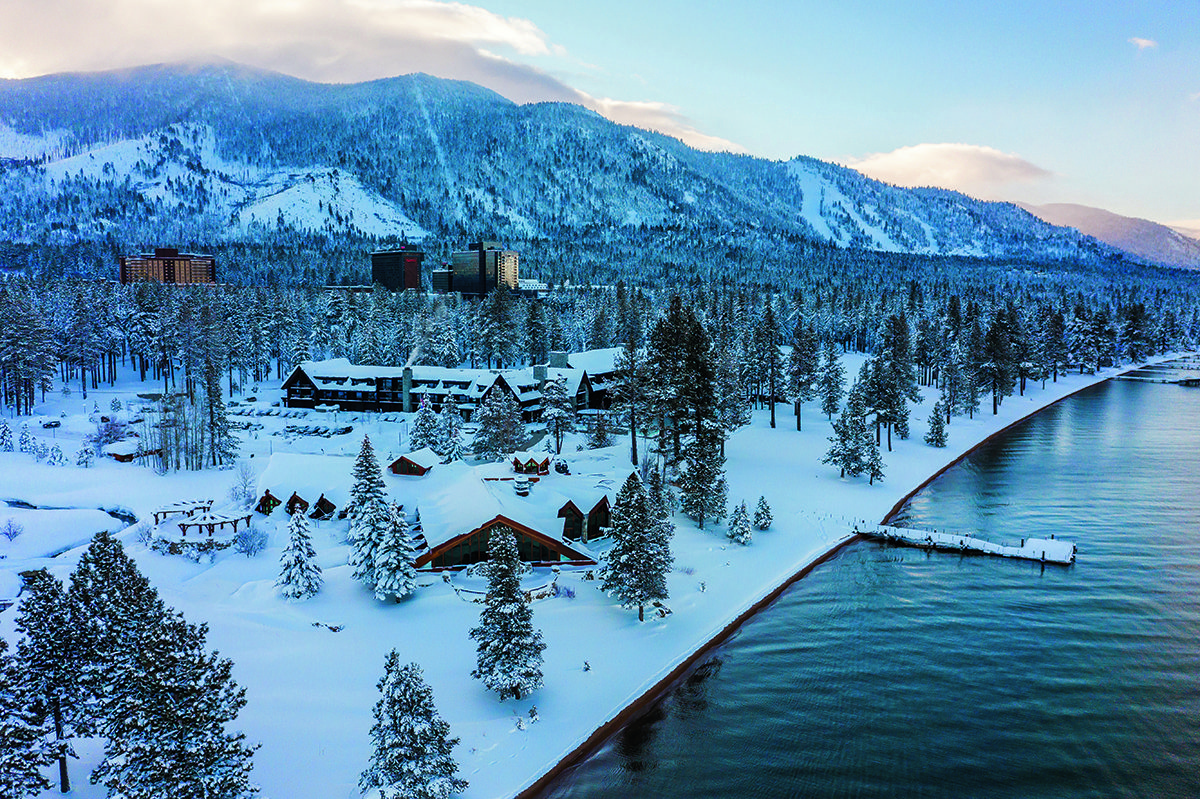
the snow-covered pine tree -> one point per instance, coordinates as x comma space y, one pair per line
424, 430
509, 651
26, 442
50, 661
368, 480
367, 532
762, 515
395, 576
24, 750
6, 437
449, 434
830, 380
500, 430
112, 607
411, 744
739, 525
936, 437
872, 459
299, 575
171, 738
636, 566
56, 457
558, 411
702, 487
598, 436
85, 457
849, 436
804, 365
222, 443
115, 405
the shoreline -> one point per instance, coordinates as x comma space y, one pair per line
640, 705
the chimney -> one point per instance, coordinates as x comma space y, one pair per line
559, 360
540, 373
408, 380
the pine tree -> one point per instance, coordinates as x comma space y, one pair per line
936, 436
509, 648
450, 445
113, 608
367, 533
299, 575
598, 436
368, 480
56, 457
636, 566
50, 658
702, 487
6, 437
424, 428
872, 460
803, 366
85, 457
395, 576
739, 525
500, 430
170, 737
26, 443
558, 411
115, 405
223, 444
23, 747
850, 432
411, 748
762, 515
831, 380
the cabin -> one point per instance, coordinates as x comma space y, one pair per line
471, 547
531, 463
415, 464
322, 509
267, 503
129, 450
295, 503
582, 526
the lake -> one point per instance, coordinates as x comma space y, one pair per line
895, 672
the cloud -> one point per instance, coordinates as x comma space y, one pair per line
336, 41
970, 168
1143, 44
1194, 97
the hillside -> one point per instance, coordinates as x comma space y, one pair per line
220, 152
1147, 240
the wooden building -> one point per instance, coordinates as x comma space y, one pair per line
295, 503
531, 463
415, 464
471, 547
582, 526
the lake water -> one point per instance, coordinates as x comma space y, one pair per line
895, 672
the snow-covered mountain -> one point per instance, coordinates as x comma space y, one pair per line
218, 151
1147, 240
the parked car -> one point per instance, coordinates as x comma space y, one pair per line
51, 423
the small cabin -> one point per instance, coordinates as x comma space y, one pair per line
415, 464
531, 463
295, 503
267, 503
585, 526
322, 509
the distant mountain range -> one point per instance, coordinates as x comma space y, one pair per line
222, 152
1142, 238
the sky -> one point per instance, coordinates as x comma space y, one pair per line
1031, 100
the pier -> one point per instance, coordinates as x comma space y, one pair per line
1043, 550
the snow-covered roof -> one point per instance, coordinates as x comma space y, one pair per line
595, 362
425, 457
310, 476
527, 455
455, 499
127, 446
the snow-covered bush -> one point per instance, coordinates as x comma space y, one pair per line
250, 541
85, 457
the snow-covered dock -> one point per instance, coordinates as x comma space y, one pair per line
1045, 550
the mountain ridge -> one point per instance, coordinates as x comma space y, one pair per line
1151, 241
439, 158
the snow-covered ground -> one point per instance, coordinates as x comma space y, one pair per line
310, 690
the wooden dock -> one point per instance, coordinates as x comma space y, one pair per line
1043, 550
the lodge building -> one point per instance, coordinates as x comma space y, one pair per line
169, 265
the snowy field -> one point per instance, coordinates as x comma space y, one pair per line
310, 689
